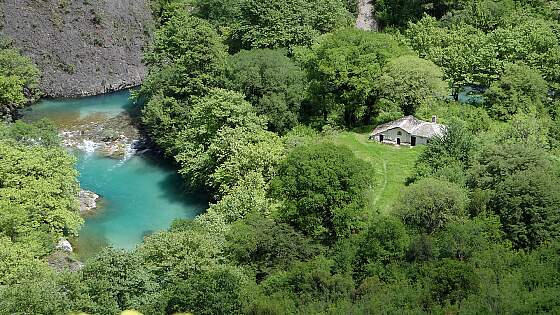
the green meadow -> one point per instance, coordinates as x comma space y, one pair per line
391, 167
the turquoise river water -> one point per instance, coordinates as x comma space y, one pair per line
141, 194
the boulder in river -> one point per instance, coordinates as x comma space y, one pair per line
88, 201
64, 245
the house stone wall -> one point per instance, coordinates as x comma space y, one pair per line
393, 134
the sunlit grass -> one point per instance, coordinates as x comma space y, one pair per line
391, 167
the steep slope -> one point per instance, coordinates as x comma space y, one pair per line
83, 47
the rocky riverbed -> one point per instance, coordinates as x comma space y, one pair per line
117, 137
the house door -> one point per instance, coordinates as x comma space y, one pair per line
380, 138
398, 140
412, 141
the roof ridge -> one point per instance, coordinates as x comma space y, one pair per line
410, 124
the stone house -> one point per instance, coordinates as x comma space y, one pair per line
407, 131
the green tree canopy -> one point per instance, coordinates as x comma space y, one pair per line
462, 51
11, 91
240, 151
384, 241
308, 282
164, 117
265, 246
518, 90
222, 290
523, 188
429, 204
219, 128
532, 41
343, 68
38, 195
322, 189
410, 81
271, 82
451, 281
19, 81
449, 155
273, 24
116, 280
13, 63
186, 58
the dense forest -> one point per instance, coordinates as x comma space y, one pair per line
250, 98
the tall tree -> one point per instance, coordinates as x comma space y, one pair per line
343, 68
272, 23
186, 58
205, 120
462, 51
518, 90
38, 195
322, 189
523, 188
409, 81
429, 204
273, 83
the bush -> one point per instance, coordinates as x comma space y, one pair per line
322, 189
430, 204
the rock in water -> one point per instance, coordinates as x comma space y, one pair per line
64, 245
81, 47
88, 200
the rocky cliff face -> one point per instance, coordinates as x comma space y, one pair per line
83, 47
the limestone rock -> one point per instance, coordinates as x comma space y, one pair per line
88, 200
64, 245
62, 261
366, 18
81, 47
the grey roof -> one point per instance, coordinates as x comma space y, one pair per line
413, 126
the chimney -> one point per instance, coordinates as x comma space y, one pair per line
434, 119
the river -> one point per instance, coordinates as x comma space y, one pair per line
140, 193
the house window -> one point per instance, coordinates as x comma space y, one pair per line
399, 133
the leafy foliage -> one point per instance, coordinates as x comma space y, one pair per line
322, 189
475, 232
523, 190
458, 50
430, 204
410, 81
19, 81
265, 246
222, 137
186, 58
38, 189
385, 240
220, 290
519, 89
449, 155
271, 82
343, 70
271, 24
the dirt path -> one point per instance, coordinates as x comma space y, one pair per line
366, 20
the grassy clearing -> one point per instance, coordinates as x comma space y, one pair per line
391, 166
